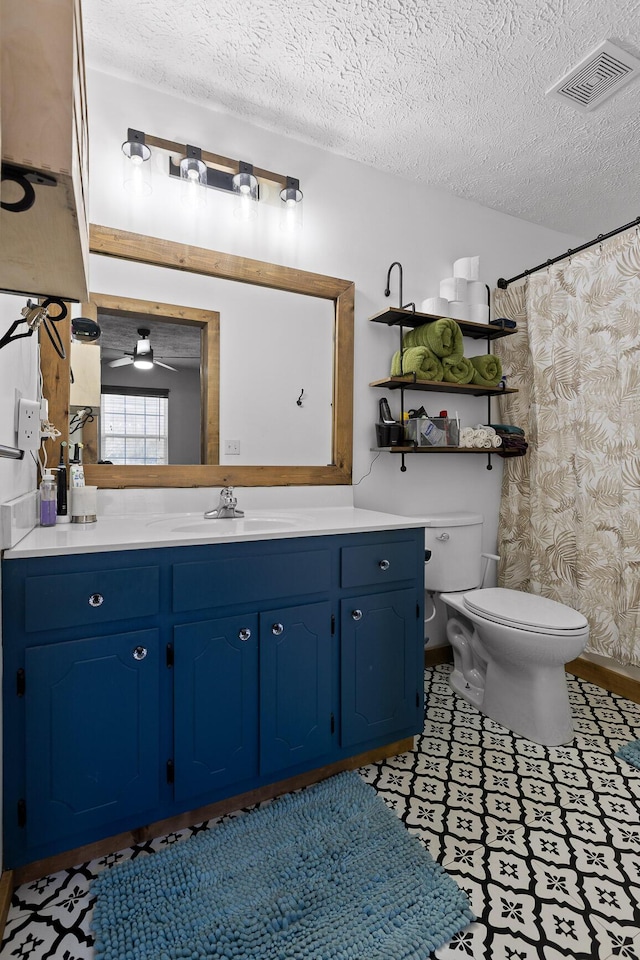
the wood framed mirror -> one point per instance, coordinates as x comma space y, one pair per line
119, 247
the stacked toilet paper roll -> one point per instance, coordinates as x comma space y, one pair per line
466, 294
436, 306
467, 268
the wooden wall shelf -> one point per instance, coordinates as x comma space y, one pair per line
438, 386
395, 317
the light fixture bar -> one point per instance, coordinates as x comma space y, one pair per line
224, 164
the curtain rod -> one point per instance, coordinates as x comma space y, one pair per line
503, 284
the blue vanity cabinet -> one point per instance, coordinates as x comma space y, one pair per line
382, 692
91, 721
216, 703
141, 685
381, 658
296, 723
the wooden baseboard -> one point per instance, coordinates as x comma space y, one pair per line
91, 851
6, 892
438, 655
603, 677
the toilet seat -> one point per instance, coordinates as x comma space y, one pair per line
525, 611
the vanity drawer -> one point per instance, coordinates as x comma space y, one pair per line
377, 563
90, 597
251, 579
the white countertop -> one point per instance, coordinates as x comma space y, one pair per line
139, 532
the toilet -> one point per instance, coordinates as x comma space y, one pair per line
509, 647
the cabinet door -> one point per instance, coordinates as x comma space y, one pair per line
295, 685
380, 681
216, 704
91, 710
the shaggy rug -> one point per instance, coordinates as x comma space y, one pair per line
328, 873
631, 753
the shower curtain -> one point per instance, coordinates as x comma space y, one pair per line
570, 512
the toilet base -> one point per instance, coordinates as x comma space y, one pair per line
531, 700
533, 704
472, 694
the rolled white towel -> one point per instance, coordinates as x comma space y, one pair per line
487, 442
496, 441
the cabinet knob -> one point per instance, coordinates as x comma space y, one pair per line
244, 634
444, 537
277, 629
356, 614
384, 564
96, 600
139, 653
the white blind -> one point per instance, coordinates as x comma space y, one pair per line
133, 429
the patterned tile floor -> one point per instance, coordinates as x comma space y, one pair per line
545, 841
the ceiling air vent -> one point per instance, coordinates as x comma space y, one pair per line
603, 72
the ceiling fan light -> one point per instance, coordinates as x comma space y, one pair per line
144, 362
143, 354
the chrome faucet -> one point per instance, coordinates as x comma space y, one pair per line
227, 506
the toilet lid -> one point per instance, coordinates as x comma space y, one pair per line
524, 610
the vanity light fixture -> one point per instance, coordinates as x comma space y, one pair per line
201, 168
136, 174
291, 197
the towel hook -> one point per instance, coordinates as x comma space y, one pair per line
299, 400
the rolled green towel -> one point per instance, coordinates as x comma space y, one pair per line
409, 339
444, 337
458, 371
418, 360
422, 362
487, 370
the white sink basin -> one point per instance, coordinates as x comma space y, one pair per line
251, 525
195, 524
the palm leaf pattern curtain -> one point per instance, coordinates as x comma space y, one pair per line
569, 525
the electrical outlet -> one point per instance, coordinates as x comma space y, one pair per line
28, 425
232, 447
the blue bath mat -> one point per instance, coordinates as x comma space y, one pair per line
329, 873
631, 753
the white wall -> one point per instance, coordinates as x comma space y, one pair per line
18, 370
356, 222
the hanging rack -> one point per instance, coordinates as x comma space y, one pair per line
503, 284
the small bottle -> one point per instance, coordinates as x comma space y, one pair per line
76, 470
48, 497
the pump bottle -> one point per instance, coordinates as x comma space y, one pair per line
48, 497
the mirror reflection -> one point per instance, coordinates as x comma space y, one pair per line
276, 373
275, 379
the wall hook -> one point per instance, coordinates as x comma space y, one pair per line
299, 400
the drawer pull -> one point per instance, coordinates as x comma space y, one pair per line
244, 634
139, 653
356, 614
277, 629
384, 564
96, 600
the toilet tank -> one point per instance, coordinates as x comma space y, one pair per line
455, 542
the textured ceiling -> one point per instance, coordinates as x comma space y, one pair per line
450, 94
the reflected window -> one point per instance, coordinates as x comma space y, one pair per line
134, 426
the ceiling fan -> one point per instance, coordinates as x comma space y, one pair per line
142, 356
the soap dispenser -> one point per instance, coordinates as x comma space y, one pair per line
48, 498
